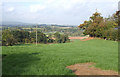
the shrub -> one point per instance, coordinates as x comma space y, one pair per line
61, 38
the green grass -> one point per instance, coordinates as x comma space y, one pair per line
52, 59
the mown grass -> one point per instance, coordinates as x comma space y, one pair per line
52, 59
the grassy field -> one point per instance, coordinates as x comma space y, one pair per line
52, 59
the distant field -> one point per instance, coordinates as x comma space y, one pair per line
52, 27
32, 28
52, 59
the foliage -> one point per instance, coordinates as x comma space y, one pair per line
21, 36
101, 27
11, 37
111, 34
41, 37
61, 38
8, 38
67, 30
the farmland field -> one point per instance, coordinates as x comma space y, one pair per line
52, 59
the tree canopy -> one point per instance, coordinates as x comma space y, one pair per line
98, 26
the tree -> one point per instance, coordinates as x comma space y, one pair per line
91, 27
25, 36
61, 38
32, 37
7, 38
21, 36
101, 27
42, 38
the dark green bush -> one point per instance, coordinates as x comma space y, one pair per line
61, 38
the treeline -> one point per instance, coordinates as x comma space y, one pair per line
97, 26
70, 31
12, 37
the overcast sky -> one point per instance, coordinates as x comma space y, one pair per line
67, 12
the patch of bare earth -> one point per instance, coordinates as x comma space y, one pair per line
79, 38
89, 69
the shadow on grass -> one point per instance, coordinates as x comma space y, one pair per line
18, 64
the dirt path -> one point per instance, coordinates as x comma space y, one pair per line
89, 69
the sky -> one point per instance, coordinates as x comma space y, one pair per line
64, 12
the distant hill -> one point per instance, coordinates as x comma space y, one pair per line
12, 24
9, 23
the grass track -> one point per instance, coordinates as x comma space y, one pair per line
52, 59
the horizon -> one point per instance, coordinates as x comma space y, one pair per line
15, 22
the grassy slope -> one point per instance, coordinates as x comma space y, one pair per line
53, 59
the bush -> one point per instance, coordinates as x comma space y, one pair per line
61, 38
111, 34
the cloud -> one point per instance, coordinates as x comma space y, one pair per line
21, 0
0, 3
36, 8
60, 0
10, 9
103, 0
56, 11
50, 1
